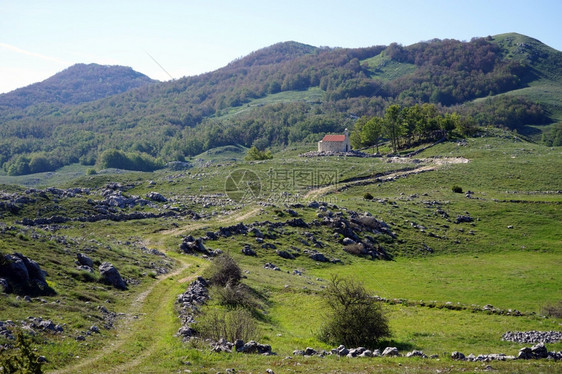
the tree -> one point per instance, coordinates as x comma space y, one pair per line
412, 119
355, 138
255, 154
355, 318
392, 121
371, 132
449, 122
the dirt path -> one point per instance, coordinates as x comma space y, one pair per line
133, 315
105, 360
228, 219
429, 164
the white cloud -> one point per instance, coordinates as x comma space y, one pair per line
33, 54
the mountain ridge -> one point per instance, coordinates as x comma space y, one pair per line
181, 118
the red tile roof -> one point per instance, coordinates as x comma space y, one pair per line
334, 138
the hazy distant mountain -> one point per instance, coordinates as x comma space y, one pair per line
286, 93
77, 84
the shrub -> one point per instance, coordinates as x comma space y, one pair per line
91, 172
23, 359
113, 158
457, 189
368, 196
230, 325
255, 154
553, 309
354, 318
234, 295
224, 271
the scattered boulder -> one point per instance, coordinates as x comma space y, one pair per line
191, 246
285, 254
390, 352
248, 251
317, 256
464, 218
155, 196
22, 275
416, 353
109, 274
84, 260
457, 356
270, 266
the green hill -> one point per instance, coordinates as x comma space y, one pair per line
285, 94
78, 84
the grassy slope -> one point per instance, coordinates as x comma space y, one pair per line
546, 87
508, 268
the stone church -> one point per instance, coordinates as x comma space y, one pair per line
335, 143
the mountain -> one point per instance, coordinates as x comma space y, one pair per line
77, 84
291, 93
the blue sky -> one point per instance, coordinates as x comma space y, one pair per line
39, 38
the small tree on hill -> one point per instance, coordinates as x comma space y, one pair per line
355, 318
372, 131
255, 154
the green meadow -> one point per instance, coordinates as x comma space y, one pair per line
447, 286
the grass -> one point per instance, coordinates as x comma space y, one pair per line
511, 280
481, 262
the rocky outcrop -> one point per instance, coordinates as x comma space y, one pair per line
156, 196
84, 262
110, 275
190, 245
117, 217
22, 275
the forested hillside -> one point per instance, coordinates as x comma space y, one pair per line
283, 94
78, 84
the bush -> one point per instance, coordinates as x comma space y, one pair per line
354, 318
224, 271
368, 196
553, 309
457, 189
23, 359
255, 154
113, 158
234, 295
91, 172
230, 325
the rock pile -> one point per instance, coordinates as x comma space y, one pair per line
533, 336
197, 294
342, 351
32, 325
251, 347
538, 351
